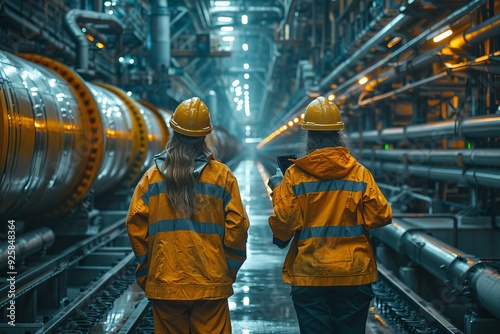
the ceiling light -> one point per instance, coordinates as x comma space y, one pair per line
221, 3
226, 28
224, 19
246, 66
244, 19
246, 86
394, 41
228, 38
442, 36
331, 97
246, 75
244, 46
363, 80
236, 82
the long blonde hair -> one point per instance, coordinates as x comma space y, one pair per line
178, 169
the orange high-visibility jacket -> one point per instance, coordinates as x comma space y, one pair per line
184, 259
327, 202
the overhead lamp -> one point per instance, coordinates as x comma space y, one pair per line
236, 82
246, 66
244, 19
222, 3
244, 46
228, 38
443, 35
394, 41
224, 19
363, 80
226, 28
290, 124
99, 45
246, 76
314, 95
246, 86
331, 97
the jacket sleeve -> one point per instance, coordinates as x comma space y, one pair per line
137, 229
376, 210
286, 219
236, 228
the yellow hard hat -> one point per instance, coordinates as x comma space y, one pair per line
191, 118
322, 115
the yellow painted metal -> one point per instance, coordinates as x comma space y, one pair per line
161, 121
140, 133
89, 145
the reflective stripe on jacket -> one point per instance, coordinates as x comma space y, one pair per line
327, 202
183, 259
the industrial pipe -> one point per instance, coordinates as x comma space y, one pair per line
27, 244
82, 43
473, 157
61, 137
159, 53
463, 271
474, 176
473, 127
487, 29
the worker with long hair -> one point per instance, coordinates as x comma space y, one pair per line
188, 228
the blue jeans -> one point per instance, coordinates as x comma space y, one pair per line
332, 309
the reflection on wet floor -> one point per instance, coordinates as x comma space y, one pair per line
261, 301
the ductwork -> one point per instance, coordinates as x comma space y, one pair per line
82, 44
27, 244
464, 272
159, 38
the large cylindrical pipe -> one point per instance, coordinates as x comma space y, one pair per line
444, 262
26, 245
50, 139
63, 137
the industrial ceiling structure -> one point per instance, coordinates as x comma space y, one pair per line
259, 63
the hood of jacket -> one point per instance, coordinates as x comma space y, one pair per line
327, 163
199, 163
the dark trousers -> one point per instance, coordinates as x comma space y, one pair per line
332, 309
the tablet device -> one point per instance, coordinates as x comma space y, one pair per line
284, 163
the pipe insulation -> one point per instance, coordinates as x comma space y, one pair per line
463, 272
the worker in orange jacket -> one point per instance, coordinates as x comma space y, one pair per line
188, 228
327, 202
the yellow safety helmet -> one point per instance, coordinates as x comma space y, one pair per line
191, 118
322, 115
